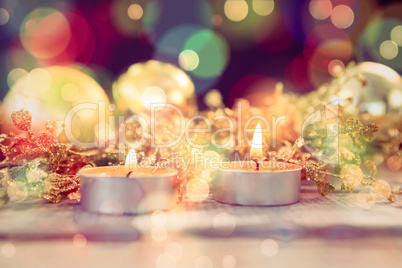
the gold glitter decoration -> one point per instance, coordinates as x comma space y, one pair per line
351, 176
62, 185
324, 188
381, 188
43, 165
22, 120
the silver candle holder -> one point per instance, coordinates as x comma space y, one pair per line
273, 184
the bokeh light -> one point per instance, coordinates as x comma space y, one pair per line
269, 247
127, 17
335, 67
15, 75
45, 33
197, 190
263, 7
54, 37
201, 52
376, 44
212, 52
79, 241
4, 16
170, 44
224, 224
188, 60
243, 22
394, 163
320, 9
8, 250
389, 49
135, 12
396, 35
216, 20
236, 10
213, 99
342, 16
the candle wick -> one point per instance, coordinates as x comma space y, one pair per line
257, 167
129, 173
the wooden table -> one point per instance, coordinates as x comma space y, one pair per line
340, 230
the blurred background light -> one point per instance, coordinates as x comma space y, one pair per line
396, 35
320, 9
135, 12
45, 33
263, 7
188, 60
388, 49
215, 44
236, 10
212, 52
4, 16
342, 16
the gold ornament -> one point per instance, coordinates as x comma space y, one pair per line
154, 82
324, 188
351, 176
50, 93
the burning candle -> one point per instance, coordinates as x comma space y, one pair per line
257, 182
128, 189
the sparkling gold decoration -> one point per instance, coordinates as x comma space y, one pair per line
35, 166
324, 188
351, 176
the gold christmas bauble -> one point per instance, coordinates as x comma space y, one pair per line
372, 88
154, 83
351, 176
59, 93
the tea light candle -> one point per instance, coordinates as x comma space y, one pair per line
257, 182
128, 189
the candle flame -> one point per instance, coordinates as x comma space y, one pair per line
131, 160
256, 145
